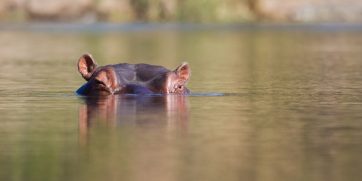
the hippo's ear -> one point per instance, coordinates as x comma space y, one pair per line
86, 65
183, 71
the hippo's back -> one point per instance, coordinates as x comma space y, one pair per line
138, 72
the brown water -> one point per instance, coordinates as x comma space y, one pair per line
268, 104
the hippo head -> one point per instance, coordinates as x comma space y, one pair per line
131, 78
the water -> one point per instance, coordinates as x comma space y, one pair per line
268, 104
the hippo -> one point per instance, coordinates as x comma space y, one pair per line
127, 78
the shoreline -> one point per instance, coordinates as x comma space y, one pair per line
126, 27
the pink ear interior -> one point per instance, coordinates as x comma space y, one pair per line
183, 71
86, 66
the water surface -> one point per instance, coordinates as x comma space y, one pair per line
268, 104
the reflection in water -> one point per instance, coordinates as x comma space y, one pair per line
146, 124
115, 110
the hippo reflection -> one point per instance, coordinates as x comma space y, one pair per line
131, 78
120, 110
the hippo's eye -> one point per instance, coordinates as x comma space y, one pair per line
100, 84
180, 87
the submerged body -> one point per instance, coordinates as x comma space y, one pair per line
131, 78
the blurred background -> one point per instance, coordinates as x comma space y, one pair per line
206, 11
